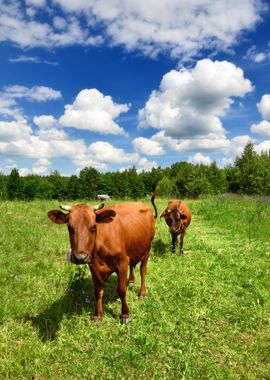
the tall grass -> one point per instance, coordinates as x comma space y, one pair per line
206, 316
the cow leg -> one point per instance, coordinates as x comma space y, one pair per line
98, 295
131, 276
143, 291
122, 290
182, 243
174, 241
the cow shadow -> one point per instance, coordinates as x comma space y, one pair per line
78, 298
159, 247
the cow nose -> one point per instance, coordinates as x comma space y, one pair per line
80, 258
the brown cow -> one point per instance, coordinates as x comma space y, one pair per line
177, 216
110, 240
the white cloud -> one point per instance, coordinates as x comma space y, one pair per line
105, 152
255, 56
11, 95
32, 31
148, 147
179, 28
262, 147
14, 130
264, 106
44, 121
190, 102
95, 112
199, 158
263, 128
41, 166
146, 165
36, 93
209, 143
31, 59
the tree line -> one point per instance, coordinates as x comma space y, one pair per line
250, 174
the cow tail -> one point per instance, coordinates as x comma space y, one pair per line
153, 203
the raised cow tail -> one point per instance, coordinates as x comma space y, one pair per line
153, 202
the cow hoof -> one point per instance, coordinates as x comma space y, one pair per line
130, 284
143, 296
95, 318
124, 320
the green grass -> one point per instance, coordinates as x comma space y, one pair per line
206, 316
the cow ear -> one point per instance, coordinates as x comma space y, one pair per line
57, 216
105, 216
165, 213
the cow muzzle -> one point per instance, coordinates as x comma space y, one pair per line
79, 258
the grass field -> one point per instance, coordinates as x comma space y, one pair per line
207, 315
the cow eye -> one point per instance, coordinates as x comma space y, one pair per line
93, 228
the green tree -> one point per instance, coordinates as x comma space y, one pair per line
166, 187
3, 187
89, 182
14, 185
250, 171
73, 188
59, 185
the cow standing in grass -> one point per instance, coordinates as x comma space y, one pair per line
177, 215
110, 239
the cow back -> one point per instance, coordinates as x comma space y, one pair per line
130, 233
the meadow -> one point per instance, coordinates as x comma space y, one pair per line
207, 315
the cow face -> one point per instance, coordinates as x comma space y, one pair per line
174, 218
82, 223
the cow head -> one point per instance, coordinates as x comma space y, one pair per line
174, 218
82, 223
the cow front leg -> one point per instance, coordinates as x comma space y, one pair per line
98, 295
182, 243
122, 290
174, 241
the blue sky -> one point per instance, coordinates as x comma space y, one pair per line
116, 83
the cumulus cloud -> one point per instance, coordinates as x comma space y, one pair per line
264, 106
264, 146
95, 112
107, 153
44, 121
263, 128
148, 147
190, 102
41, 166
199, 158
14, 130
145, 165
180, 28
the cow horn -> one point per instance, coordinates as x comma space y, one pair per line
65, 207
98, 207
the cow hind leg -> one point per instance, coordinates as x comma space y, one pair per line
131, 278
143, 291
98, 295
122, 290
